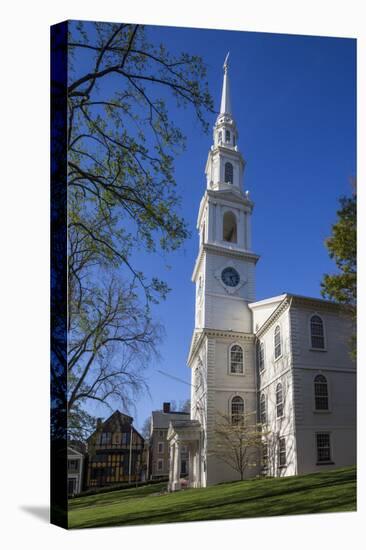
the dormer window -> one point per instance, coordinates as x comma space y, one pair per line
227, 136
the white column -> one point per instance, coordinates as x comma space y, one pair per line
179, 462
190, 465
249, 236
171, 467
241, 229
175, 467
219, 214
246, 231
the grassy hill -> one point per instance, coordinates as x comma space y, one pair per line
330, 491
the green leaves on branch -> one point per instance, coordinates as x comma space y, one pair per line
342, 247
122, 141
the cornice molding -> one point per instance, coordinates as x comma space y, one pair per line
222, 250
200, 334
326, 305
227, 152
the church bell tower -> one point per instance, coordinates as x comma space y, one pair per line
222, 349
224, 270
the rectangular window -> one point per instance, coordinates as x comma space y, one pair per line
160, 464
125, 438
282, 452
317, 341
160, 447
323, 447
321, 393
105, 438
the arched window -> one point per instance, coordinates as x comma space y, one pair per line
229, 232
263, 409
236, 360
321, 393
277, 342
237, 410
227, 136
279, 400
229, 173
260, 356
317, 332
220, 137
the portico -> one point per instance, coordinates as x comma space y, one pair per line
184, 434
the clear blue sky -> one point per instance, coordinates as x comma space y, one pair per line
294, 102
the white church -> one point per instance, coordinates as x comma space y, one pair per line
285, 360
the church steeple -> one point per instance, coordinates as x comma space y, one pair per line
225, 164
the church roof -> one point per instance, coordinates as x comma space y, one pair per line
282, 297
281, 302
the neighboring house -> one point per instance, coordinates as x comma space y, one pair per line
284, 360
75, 471
159, 447
115, 452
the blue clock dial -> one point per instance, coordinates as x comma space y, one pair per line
230, 277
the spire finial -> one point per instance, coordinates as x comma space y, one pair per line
225, 98
226, 64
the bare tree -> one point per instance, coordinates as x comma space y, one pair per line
146, 428
238, 442
185, 406
111, 341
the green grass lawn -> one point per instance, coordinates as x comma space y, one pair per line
330, 491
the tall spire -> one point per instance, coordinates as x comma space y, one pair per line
225, 98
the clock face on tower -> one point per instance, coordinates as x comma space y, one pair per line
230, 277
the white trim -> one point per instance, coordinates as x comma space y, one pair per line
278, 376
231, 390
261, 345
326, 368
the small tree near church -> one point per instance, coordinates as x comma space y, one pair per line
238, 442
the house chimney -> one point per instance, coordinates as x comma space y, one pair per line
99, 423
166, 407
